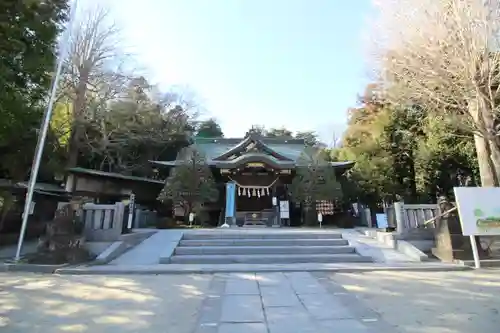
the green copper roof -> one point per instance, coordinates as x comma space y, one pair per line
279, 152
214, 147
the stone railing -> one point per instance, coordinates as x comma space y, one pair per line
413, 216
103, 223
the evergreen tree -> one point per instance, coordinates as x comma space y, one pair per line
209, 129
28, 36
190, 183
314, 180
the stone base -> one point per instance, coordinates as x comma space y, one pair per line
460, 249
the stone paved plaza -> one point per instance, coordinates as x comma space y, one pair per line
385, 302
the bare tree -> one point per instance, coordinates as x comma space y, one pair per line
444, 55
92, 73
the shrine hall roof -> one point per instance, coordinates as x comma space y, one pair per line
214, 147
281, 152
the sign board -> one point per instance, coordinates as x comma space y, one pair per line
131, 202
32, 208
131, 208
255, 165
284, 209
320, 217
479, 210
382, 221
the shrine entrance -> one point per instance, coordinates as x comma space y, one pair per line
256, 185
253, 204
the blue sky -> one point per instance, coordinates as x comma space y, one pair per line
292, 63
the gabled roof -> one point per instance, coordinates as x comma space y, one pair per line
217, 149
257, 144
280, 153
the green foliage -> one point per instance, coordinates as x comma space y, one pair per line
446, 158
190, 183
403, 153
209, 129
60, 123
125, 133
28, 35
258, 129
314, 180
278, 133
310, 138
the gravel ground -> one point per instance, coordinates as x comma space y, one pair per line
431, 302
51, 303
409, 302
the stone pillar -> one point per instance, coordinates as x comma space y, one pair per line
398, 212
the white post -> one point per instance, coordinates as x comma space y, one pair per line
400, 223
320, 220
43, 131
475, 253
191, 219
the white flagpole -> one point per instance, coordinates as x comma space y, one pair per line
44, 129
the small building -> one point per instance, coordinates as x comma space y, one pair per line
262, 169
110, 187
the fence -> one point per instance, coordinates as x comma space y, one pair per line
411, 216
144, 218
103, 223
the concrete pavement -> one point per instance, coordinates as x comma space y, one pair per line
429, 302
94, 304
149, 251
282, 303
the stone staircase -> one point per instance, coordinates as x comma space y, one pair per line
259, 246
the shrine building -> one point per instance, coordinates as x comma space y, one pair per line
257, 172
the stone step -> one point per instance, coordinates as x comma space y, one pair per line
265, 259
264, 242
261, 235
230, 250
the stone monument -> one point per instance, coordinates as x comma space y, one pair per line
451, 245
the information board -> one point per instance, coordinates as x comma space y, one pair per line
382, 221
479, 210
284, 209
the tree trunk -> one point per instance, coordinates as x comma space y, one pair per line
488, 119
8, 202
487, 170
74, 148
486, 167
78, 112
495, 158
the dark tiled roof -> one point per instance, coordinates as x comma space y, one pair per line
98, 173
